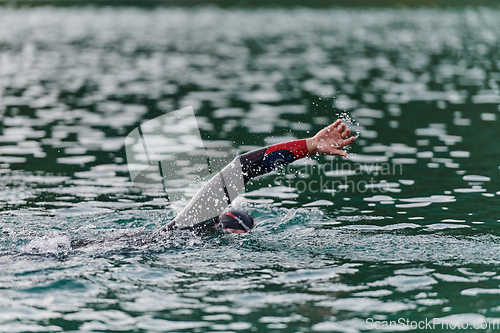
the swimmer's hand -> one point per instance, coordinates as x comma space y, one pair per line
330, 139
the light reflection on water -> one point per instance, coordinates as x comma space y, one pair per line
405, 228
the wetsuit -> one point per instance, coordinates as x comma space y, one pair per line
261, 161
204, 208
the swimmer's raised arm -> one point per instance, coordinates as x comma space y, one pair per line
224, 187
327, 141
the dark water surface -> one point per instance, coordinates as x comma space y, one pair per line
407, 228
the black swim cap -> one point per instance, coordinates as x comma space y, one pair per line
236, 219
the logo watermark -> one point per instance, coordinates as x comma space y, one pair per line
337, 177
404, 324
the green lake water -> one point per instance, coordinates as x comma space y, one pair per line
405, 230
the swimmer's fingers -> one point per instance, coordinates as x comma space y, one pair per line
343, 153
341, 128
345, 133
349, 141
340, 152
335, 124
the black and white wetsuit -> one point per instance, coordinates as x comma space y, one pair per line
213, 197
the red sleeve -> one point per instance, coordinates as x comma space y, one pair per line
297, 147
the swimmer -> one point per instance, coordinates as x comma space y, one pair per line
205, 210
